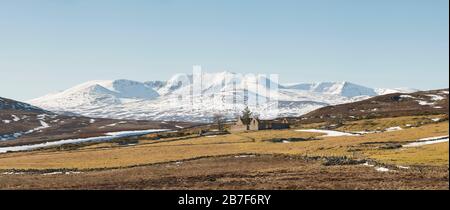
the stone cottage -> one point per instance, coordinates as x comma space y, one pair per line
257, 124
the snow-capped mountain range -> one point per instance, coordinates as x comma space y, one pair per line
224, 93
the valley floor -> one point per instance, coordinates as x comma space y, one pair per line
237, 172
270, 159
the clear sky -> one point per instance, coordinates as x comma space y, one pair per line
51, 45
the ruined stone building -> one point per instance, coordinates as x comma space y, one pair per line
257, 124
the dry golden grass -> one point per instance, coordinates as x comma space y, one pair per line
140, 154
309, 125
107, 155
383, 123
433, 154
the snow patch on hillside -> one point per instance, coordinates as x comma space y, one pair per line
328, 133
384, 91
107, 137
345, 89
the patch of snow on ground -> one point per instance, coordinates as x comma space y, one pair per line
41, 116
421, 143
109, 136
44, 174
406, 96
53, 173
18, 134
92, 121
382, 169
403, 167
120, 134
109, 125
244, 156
365, 132
15, 118
177, 126
396, 128
12, 173
435, 119
44, 124
368, 164
424, 103
73, 172
327, 132
436, 97
433, 138
60, 172
6, 121
426, 141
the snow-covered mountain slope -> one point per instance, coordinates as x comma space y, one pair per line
384, 91
177, 99
96, 94
345, 89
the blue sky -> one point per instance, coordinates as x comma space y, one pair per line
47, 46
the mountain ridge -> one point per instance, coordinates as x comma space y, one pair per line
430, 102
10, 104
154, 100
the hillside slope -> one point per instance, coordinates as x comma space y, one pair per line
22, 123
390, 105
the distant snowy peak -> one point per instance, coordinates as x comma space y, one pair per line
117, 88
345, 89
97, 92
155, 84
133, 89
211, 83
175, 83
